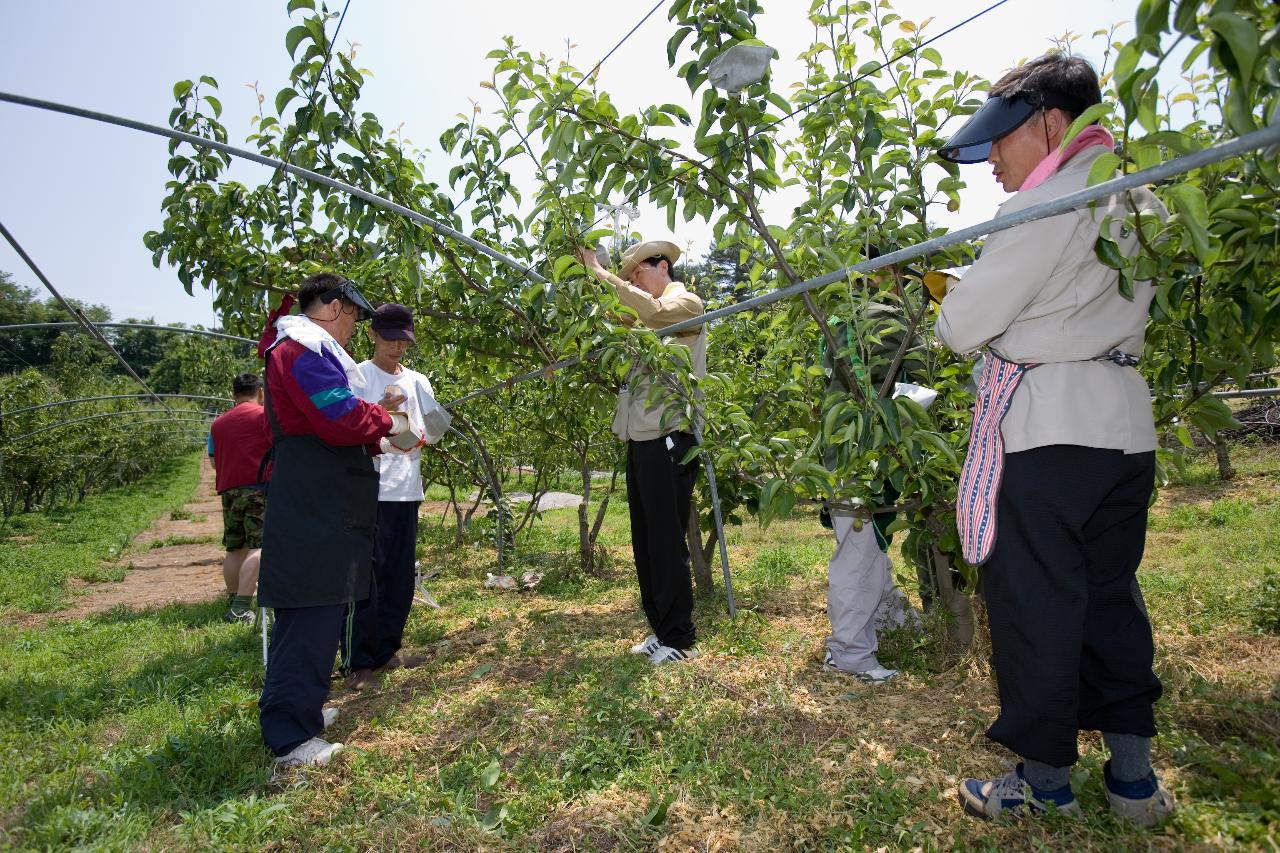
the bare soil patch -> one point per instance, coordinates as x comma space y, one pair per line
183, 573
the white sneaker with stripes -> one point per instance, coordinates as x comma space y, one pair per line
646, 646
666, 654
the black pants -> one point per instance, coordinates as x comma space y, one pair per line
659, 491
1070, 637
378, 628
303, 643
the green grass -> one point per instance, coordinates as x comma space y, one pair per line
531, 728
41, 551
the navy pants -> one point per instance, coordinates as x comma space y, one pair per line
659, 491
378, 628
1070, 638
304, 641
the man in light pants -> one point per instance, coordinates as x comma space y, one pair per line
862, 597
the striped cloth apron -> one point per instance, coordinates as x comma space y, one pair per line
984, 463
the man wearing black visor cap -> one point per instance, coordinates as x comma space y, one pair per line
1000, 116
1061, 455
322, 503
347, 292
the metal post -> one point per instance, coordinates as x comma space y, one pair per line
715, 514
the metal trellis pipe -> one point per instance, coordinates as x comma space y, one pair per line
100, 415
147, 326
1248, 392
1053, 207
306, 174
77, 313
58, 403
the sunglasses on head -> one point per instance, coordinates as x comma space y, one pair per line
348, 292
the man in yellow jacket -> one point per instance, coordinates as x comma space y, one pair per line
659, 435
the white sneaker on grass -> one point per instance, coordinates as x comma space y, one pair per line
666, 654
647, 646
876, 675
314, 752
330, 715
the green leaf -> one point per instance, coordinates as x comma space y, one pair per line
561, 265
494, 817
481, 671
181, 88
295, 5
294, 38
1108, 252
205, 78
1104, 168
1241, 37
673, 45
1188, 199
215, 104
1086, 118
489, 777
657, 815
283, 97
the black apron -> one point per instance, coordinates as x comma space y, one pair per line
322, 508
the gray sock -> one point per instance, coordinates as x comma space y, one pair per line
1044, 777
1130, 756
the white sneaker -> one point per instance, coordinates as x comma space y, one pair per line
330, 715
316, 751
647, 646
875, 675
878, 675
666, 654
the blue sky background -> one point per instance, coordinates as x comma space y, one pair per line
79, 195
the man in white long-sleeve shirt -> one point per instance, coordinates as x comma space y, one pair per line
377, 629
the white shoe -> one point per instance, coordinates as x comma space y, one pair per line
878, 675
875, 675
666, 654
314, 752
647, 646
330, 715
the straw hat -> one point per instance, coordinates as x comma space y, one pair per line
649, 249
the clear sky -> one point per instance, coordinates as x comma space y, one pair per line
79, 195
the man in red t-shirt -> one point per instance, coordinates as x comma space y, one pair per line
238, 440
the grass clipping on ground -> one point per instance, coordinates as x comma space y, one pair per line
531, 727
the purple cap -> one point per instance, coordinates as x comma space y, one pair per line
393, 322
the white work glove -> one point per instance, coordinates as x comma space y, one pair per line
403, 438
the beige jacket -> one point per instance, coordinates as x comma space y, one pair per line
1037, 293
635, 419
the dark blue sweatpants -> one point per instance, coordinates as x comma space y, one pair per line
304, 641
378, 628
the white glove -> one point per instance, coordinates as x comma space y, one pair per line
399, 422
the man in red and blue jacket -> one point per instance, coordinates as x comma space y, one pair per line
317, 548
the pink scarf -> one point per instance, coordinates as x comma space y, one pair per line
1094, 134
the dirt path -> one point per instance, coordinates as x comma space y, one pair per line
169, 573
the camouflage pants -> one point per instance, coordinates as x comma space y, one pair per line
242, 510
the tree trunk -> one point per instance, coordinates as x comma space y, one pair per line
584, 525
704, 581
1222, 452
604, 505
458, 533
960, 627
